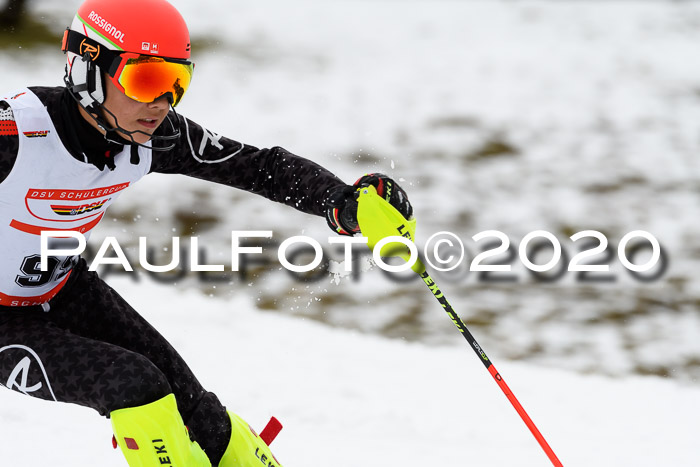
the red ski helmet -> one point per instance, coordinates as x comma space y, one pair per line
142, 46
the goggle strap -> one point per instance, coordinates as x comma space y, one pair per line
91, 50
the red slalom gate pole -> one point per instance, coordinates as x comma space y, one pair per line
487, 363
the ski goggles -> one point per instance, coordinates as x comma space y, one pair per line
143, 78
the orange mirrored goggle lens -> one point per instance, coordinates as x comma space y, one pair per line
146, 78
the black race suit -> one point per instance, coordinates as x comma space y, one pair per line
91, 348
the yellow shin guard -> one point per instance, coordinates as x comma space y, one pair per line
246, 448
155, 435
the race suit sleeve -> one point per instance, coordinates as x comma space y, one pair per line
9, 140
273, 173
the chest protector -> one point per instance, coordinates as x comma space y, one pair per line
48, 189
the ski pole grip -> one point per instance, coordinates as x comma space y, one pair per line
271, 431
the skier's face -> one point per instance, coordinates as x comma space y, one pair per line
132, 115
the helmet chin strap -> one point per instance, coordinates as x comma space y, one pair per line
111, 132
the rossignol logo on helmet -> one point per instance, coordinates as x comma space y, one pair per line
106, 26
91, 50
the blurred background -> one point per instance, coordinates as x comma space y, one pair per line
493, 115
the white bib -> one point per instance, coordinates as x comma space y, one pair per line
48, 189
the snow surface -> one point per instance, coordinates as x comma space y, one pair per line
596, 108
349, 399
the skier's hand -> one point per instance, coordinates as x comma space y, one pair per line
341, 212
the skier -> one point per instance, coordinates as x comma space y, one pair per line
65, 335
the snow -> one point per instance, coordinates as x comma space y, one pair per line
350, 399
594, 106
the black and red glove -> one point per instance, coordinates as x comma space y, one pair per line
341, 212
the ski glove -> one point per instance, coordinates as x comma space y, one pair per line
341, 212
